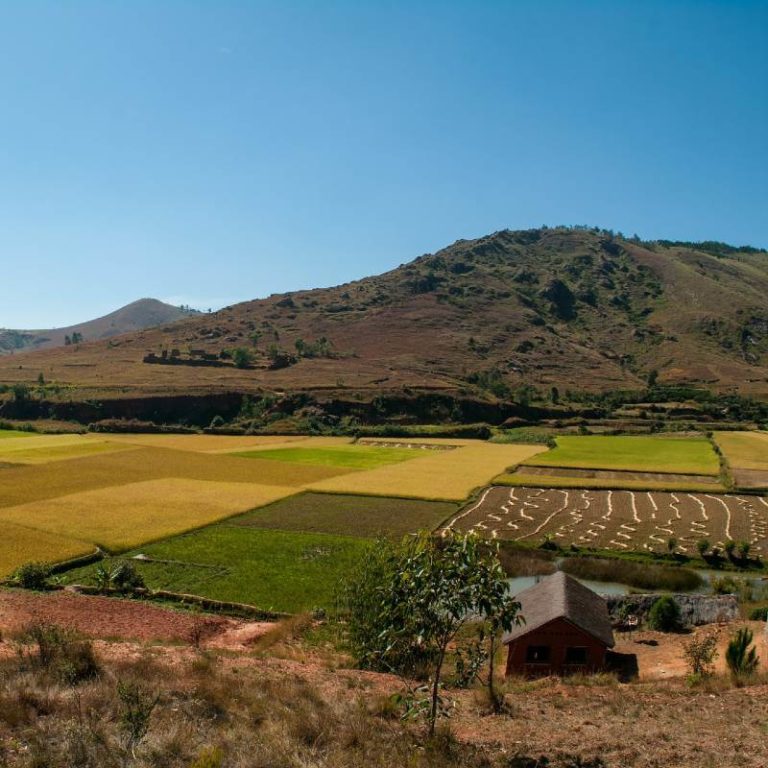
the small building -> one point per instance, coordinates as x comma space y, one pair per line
567, 629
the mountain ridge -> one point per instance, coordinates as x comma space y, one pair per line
559, 307
137, 315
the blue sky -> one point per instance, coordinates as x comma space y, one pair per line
211, 152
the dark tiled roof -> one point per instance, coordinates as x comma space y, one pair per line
561, 596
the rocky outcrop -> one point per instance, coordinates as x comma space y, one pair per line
695, 610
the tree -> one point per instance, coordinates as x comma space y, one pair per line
671, 545
653, 377
241, 357
700, 653
554, 395
744, 547
664, 615
412, 601
702, 545
729, 547
741, 655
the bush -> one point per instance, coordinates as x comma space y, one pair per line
759, 614
63, 653
32, 576
741, 655
664, 615
126, 577
700, 653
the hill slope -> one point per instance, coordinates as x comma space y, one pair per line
571, 308
144, 313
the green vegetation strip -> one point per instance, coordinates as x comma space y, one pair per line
8, 433
272, 570
347, 456
361, 516
642, 453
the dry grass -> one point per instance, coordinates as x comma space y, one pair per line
744, 450
21, 545
442, 475
126, 516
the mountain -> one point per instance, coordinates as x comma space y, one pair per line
144, 313
572, 308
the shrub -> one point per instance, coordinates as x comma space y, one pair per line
702, 545
664, 615
640, 575
63, 653
136, 707
759, 614
32, 576
741, 655
744, 547
126, 577
700, 653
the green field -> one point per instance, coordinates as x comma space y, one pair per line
274, 570
5, 433
347, 456
640, 453
362, 516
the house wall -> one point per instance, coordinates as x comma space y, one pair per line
558, 635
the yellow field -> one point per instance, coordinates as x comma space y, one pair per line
212, 443
444, 475
19, 545
125, 516
37, 454
744, 450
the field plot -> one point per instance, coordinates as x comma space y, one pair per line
640, 453
222, 443
620, 520
40, 449
363, 516
440, 475
122, 517
19, 545
274, 570
747, 457
10, 433
347, 456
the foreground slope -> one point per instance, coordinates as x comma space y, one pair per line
553, 307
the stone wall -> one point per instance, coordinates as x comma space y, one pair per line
695, 610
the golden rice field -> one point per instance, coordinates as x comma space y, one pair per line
62, 495
744, 450
125, 516
20, 544
40, 449
449, 475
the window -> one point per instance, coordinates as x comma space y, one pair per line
537, 654
576, 655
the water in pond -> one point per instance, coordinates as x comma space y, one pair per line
519, 583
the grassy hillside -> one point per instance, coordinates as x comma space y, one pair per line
556, 307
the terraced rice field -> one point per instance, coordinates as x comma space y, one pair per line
121, 517
20, 544
123, 491
747, 457
449, 475
632, 453
41, 449
620, 520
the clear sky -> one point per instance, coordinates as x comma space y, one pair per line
211, 152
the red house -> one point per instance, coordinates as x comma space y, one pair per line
567, 629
